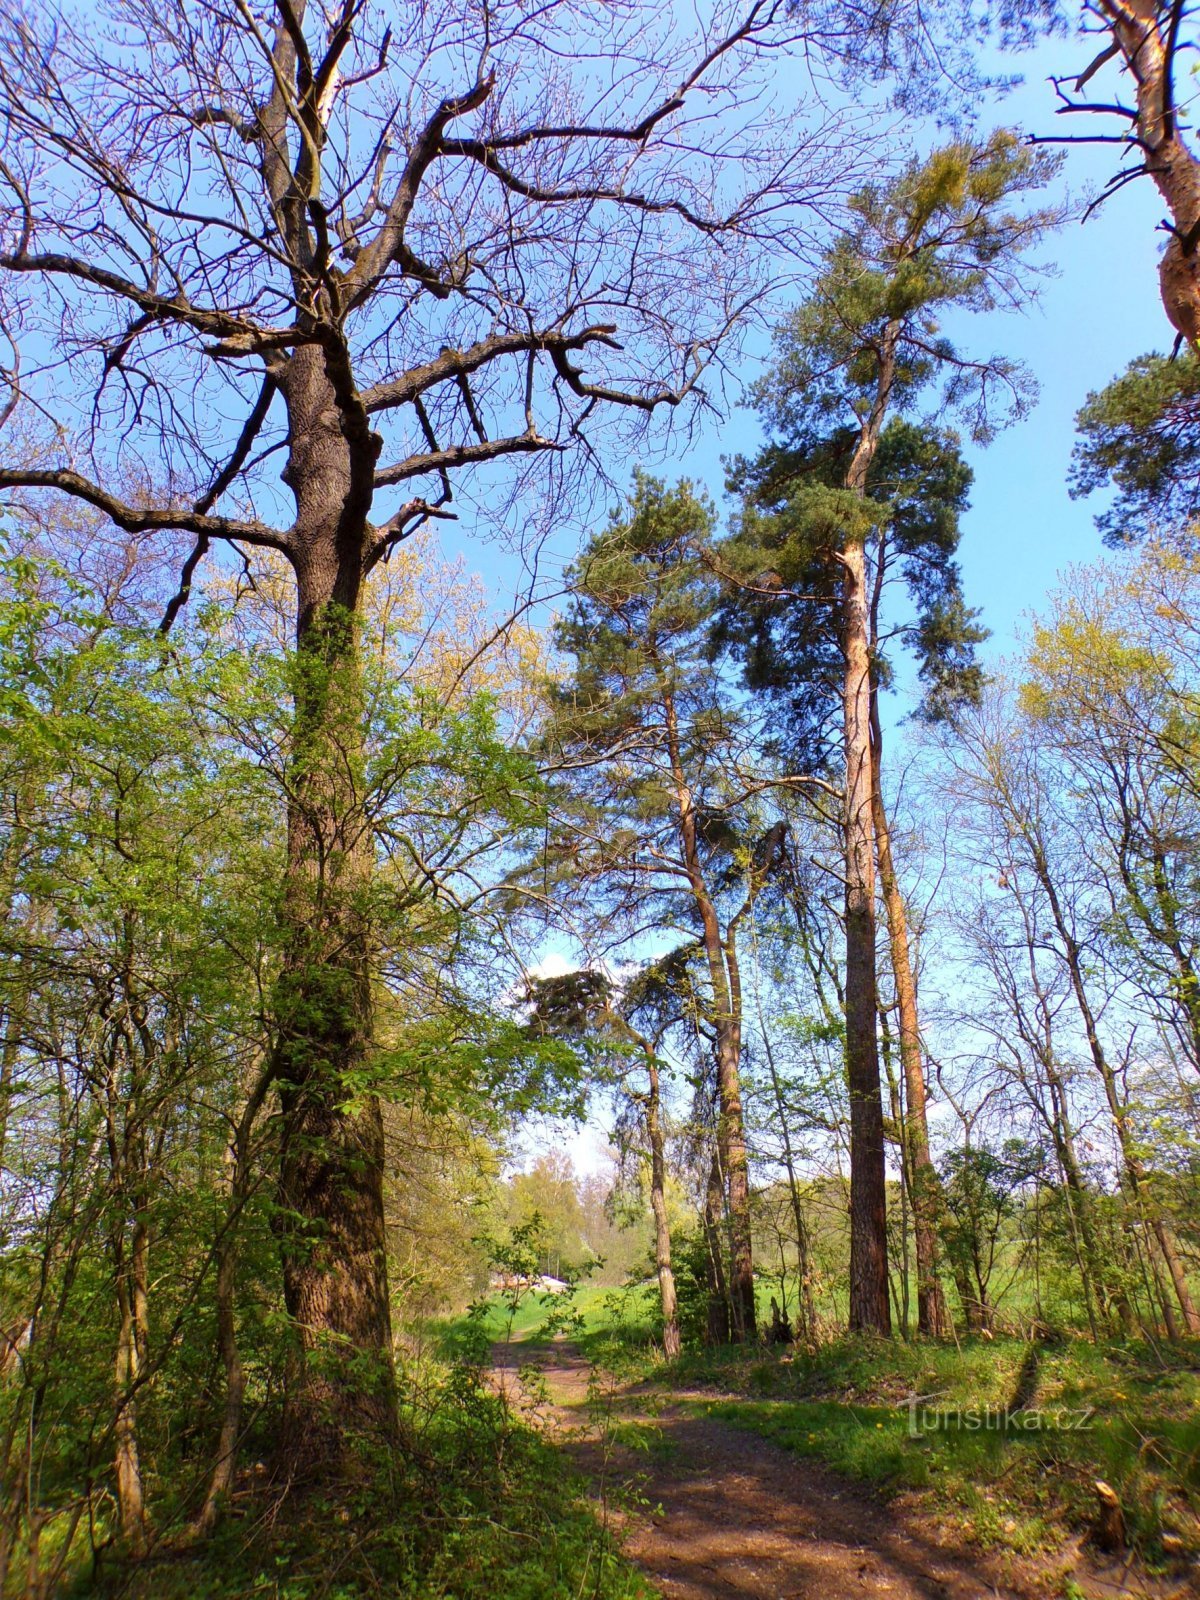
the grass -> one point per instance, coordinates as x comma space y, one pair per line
1126, 1413
1009, 1442
1002, 1438
598, 1320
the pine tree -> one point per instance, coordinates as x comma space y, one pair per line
847, 490
660, 768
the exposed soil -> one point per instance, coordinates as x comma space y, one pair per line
722, 1514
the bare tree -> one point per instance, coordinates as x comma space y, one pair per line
257, 233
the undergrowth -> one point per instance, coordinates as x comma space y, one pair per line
481, 1505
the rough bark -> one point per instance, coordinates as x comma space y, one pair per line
341, 1389
869, 1307
1145, 33
869, 1304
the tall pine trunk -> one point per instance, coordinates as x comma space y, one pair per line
869, 1306
870, 1309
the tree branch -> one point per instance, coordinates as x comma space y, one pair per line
146, 520
458, 455
410, 385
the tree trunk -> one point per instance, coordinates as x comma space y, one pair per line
869, 1307
1147, 49
732, 1139
225, 1464
869, 1304
672, 1345
241, 1182
924, 1184
721, 957
131, 1504
974, 1310
341, 1390
1187, 981
1131, 1159
718, 1291
805, 1300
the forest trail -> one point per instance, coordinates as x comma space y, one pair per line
727, 1515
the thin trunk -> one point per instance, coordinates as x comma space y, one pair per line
672, 1345
806, 1301
1187, 981
12, 1003
225, 1464
1079, 1215
131, 1504
974, 1308
1118, 1110
900, 1297
721, 957
719, 1322
733, 1153
926, 1189
241, 1182
8, 1065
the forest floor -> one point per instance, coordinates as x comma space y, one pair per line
712, 1511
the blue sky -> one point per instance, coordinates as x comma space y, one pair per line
1099, 311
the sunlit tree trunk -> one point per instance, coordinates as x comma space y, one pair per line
719, 1323
1148, 44
932, 1316
662, 1229
1135, 1173
131, 1503
869, 1305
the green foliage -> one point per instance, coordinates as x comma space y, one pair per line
142, 857
793, 523
949, 232
1141, 436
846, 465
485, 1508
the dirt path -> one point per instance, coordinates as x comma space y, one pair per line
733, 1517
